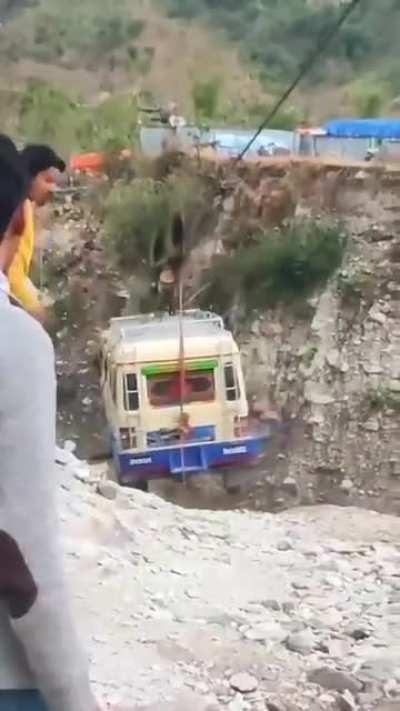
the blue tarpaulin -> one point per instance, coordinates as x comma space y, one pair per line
364, 128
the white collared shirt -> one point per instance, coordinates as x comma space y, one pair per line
4, 286
39, 647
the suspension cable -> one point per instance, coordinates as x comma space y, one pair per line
182, 374
324, 40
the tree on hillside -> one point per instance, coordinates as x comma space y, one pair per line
369, 99
206, 97
279, 34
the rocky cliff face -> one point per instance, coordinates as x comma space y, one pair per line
332, 375
326, 376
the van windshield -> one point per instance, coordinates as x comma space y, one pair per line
166, 390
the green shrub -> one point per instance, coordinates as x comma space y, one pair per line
140, 214
135, 215
369, 98
112, 32
50, 115
284, 266
309, 354
110, 126
253, 113
382, 398
206, 97
287, 118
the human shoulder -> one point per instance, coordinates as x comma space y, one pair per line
23, 337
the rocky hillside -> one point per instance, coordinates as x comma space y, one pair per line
245, 612
324, 371
359, 67
329, 372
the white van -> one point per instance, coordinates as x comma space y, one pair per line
175, 397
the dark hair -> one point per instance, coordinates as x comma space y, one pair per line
13, 182
38, 158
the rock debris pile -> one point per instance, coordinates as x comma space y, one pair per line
206, 611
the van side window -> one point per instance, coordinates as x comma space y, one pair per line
232, 388
131, 393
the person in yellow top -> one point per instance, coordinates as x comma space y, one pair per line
41, 163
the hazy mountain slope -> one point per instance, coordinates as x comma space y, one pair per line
278, 35
97, 45
163, 48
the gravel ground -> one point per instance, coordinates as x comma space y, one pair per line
208, 610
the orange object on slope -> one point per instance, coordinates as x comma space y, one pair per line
88, 162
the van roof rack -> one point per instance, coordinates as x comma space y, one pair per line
129, 326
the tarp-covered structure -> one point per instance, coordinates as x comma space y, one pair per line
378, 128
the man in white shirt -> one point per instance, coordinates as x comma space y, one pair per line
42, 667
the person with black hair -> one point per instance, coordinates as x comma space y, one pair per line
13, 191
42, 666
41, 163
